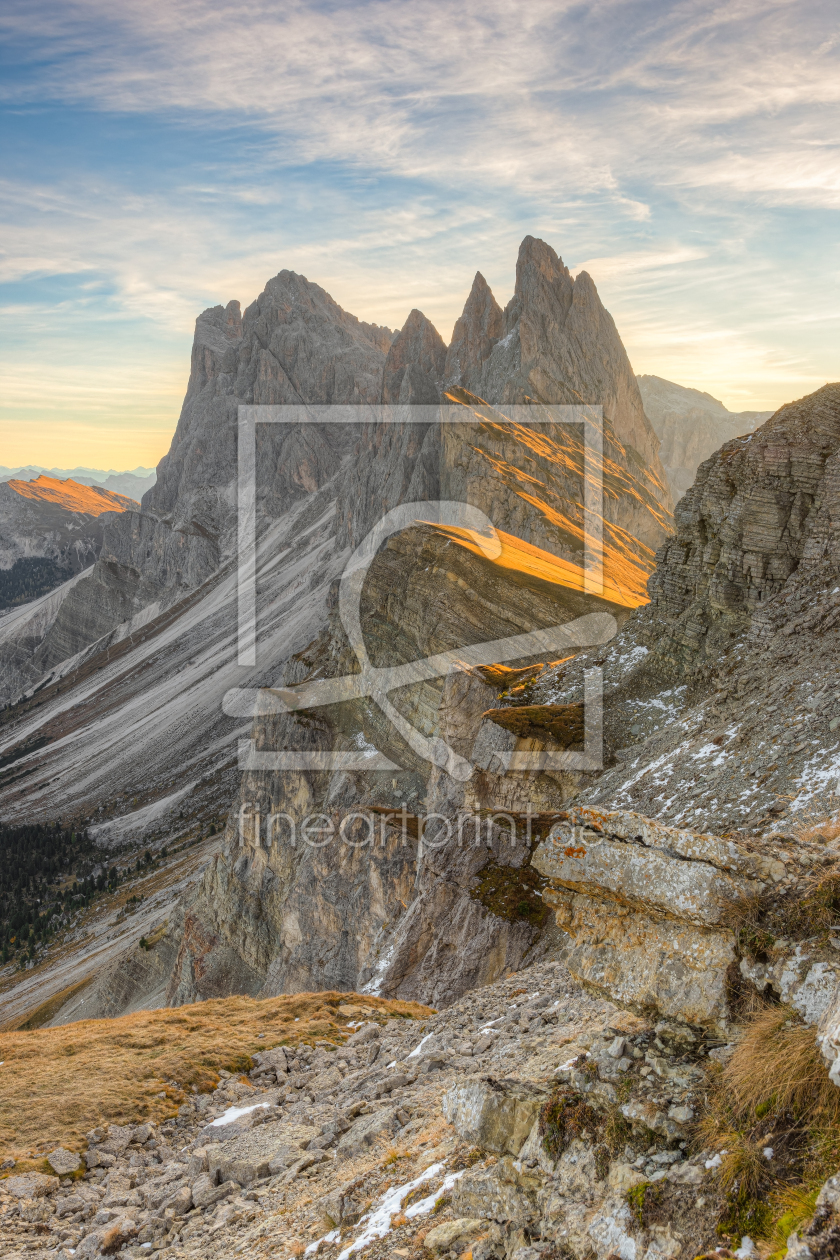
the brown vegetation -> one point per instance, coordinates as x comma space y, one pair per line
809, 909
58, 1083
773, 1095
561, 722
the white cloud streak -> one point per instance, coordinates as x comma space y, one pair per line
508, 92
647, 137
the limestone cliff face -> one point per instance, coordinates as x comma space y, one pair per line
415, 363
721, 709
393, 916
554, 343
651, 912
389, 917
691, 425
558, 345
294, 344
763, 506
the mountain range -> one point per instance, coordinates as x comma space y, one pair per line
134, 483
129, 711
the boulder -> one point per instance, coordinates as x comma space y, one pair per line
64, 1162
116, 1235
72, 1203
264, 1150
180, 1202
325, 1082
365, 1131
648, 909
368, 1032
205, 1192
452, 1233
35, 1211
30, 1185
271, 1061
119, 1136
493, 1194
495, 1115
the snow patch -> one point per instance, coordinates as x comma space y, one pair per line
234, 1113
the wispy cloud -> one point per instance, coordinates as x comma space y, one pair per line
387, 149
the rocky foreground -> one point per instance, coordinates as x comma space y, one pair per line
529, 1119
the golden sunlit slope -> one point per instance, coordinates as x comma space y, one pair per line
624, 579
73, 497
58, 1083
605, 549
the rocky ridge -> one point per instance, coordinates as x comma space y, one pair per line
691, 426
159, 609
60, 520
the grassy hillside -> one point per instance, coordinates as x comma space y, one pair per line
58, 1083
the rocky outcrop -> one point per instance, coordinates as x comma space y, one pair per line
559, 345
763, 506
510, 1123
654, 914
477, 330
691, 426
415, 363
720, 709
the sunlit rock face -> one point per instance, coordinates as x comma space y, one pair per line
61, 521
160, 609
382, 917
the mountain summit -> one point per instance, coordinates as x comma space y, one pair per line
131, 730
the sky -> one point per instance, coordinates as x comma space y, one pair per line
160, 157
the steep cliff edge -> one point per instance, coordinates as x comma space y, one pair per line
162, 600
720, 701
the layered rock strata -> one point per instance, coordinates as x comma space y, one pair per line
275, 916
653, 913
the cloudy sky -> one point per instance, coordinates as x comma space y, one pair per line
159, 157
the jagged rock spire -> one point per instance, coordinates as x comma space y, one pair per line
475, 333
415, 363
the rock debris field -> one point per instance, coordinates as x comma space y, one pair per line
414, 1138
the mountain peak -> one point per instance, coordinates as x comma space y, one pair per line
415, 363
476, 331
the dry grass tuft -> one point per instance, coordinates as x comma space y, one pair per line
817, 830
810, 909
779, 1063
773, 1093
58, 1083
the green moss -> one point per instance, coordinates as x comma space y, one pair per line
512, 893
746, 1215
641, 1199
